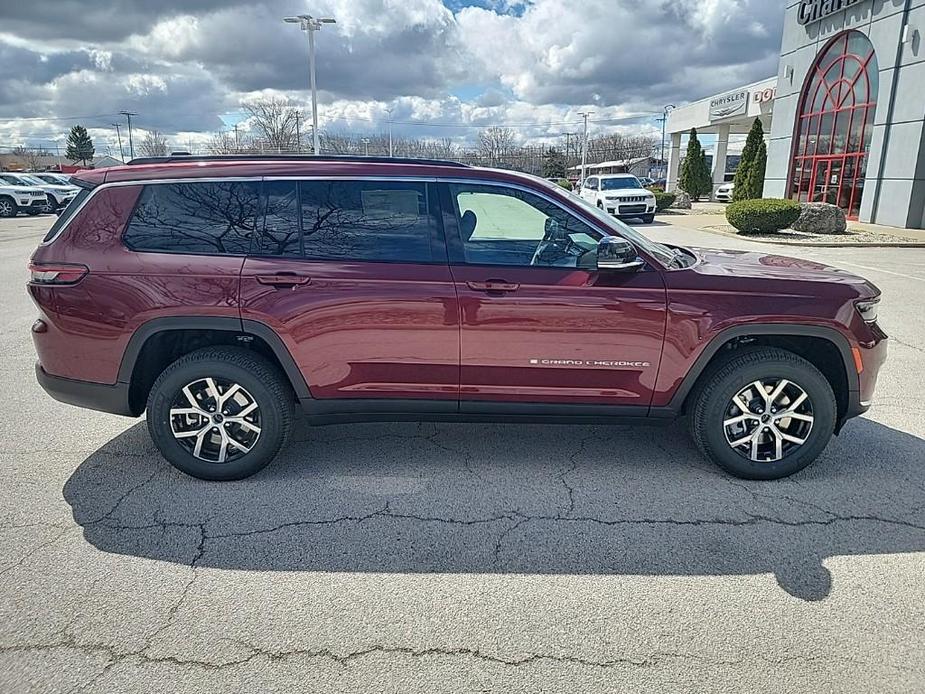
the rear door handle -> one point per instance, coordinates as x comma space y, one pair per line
284, 279
494, 286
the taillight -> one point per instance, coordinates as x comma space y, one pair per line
57, 273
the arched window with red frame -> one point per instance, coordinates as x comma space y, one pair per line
835, 123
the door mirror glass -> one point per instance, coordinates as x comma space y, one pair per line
615, 253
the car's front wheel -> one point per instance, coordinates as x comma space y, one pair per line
220, 413
648, 219
763, 414
8, 207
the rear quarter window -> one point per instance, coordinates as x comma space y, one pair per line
66, 215
211, 218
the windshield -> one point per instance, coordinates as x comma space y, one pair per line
32, 180
619, 183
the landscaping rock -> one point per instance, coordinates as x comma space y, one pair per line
821, 218
682, 202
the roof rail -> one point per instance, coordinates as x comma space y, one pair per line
181, 157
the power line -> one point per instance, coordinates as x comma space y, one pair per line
31, 118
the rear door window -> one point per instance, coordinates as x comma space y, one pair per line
375, 221
213, 218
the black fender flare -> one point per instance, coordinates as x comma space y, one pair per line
761, 330
243, 328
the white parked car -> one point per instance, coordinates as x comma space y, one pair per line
58, 195
51, 177
621, 195
19, 198
724, 192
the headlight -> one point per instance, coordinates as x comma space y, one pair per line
868, 310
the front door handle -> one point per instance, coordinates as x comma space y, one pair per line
494, 286
284, 279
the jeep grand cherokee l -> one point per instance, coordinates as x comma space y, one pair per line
219, 294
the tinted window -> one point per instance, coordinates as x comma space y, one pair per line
212, 218
506, 226
349, 220
66, 215
619, 183
366, 220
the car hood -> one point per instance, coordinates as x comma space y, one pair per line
756, 265
22, 190
60, 189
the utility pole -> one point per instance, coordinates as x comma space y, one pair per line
298, 132
664, 121
310, 25
366, 146
237, 147
389, 111
584, 146
119, 136
131, 146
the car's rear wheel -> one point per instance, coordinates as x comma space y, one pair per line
220, 413
8, 207
764, 413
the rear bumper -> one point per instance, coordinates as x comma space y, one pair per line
95, 396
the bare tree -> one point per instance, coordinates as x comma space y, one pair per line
154, 144
496, 144
33, 158
277, 124
620, 147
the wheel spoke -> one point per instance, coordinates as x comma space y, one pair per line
742, 441
186, 410
212, 389
762, 391
244, 423
776, 393
778, 445
228, 394
739, 402
189, 434
796, 415
748, 416
200, 439
247, 410
754, 447
788, 437
189, 396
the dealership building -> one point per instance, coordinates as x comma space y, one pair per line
844, 117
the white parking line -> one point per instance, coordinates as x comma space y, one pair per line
887, 272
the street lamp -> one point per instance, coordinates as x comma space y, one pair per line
365, 142
310, 25
664, 120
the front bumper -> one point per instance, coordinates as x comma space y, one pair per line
630, 209
94, 396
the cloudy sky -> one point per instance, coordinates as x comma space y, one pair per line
445, 68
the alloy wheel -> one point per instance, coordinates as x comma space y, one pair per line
216, 420
768, 420
6, 208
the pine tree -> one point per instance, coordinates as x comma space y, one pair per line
695, 178
79, 145
749, 178
554, 164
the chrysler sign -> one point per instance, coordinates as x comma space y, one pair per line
729, 105
811, 11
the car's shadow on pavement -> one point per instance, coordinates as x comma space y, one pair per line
514, 499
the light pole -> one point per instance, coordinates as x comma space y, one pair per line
664, 120
310, 25
584, 147
366, 146
131, 145
119, 135
389, 111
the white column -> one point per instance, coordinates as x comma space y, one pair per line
674, 162
719, 156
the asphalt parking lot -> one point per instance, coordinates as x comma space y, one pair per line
458, 558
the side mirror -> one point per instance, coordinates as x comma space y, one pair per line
614, 253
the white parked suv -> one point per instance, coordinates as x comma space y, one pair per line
20, 198
621, 195
724, 192
58, 195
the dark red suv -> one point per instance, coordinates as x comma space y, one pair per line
219, 292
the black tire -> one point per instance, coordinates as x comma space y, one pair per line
648, 219
34, 213
722, 382
8, 206
261, 380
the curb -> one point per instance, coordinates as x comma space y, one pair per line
803, 244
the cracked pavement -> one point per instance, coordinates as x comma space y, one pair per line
459, 557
